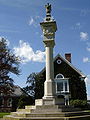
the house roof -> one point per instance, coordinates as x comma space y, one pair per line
18, 91
67, 62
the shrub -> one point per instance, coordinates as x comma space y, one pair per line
25, 100
79, 103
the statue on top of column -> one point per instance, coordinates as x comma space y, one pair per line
48, 9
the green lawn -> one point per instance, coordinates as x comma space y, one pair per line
2, 114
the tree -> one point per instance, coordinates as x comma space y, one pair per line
9, 63
35, 85
25, 100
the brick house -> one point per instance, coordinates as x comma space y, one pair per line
8, 102
69, 80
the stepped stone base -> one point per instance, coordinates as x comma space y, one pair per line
49, 101
48, 112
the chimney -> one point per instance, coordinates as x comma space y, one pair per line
68, 57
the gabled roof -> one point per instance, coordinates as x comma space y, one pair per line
67, 62
18, 91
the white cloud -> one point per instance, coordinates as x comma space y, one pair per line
41, 36
26, 53
88, 49
35, 20
87, 79
84, 36
88, 46
76, 26
31, 21
86, 59
8, 42
88, 97
0, 38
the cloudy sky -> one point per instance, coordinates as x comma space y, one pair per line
19, 24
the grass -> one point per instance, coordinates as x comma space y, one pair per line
2, 114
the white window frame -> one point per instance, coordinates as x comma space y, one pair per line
63, 81
59, 75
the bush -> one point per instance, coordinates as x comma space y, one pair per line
79, 103
25, 100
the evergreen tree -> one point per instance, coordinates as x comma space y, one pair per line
9, 63
35, 86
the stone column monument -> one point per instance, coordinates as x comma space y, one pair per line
49, 107
49, 28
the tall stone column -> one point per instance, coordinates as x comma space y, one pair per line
49, 28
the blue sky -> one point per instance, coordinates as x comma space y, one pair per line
19, 24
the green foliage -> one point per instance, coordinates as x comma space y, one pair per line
9, 63
25, 100
14, 103
79, 103
2, 114
77, 88
39, 86
35, 85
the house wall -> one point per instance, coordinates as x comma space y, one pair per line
7, 106
77, 86
4, 107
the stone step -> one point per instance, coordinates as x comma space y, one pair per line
37, 115
59, 114
30, 107
34, 118
85, 117
24, 110
57, 108
78, 113
20, 114
48, 112
46, 109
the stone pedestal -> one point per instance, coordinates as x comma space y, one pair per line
49, 28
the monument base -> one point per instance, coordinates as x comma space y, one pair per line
49, 112
49, 101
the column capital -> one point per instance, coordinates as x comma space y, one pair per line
51, 25
49, 43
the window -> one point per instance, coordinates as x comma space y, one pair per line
1, 101
9, 102
62, 86
58, 76
66, 86
59, 61
59, 86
